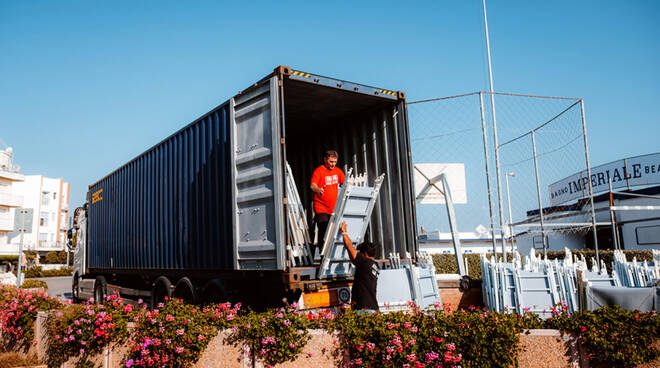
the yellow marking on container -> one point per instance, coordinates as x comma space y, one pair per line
96, 196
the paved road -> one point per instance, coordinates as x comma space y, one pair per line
59, 286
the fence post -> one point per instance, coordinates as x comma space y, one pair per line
484, 133
591, 190
538, 194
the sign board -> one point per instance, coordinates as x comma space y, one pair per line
23, 220
626, 173
426, 193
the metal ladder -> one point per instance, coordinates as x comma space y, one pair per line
299, 252
354, 205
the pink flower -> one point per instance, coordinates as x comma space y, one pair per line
411, 357
179, 350
128, 308
179, 332
169, 318
262, 351
286, 322
357, 361
129, 363
583, 328
140, 301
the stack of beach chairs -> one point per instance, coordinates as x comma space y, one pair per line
541, 286
634, 273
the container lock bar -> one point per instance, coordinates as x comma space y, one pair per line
283, 70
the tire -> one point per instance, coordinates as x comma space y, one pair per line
100, 289
185, 290
75, 293
214, 292
161, 291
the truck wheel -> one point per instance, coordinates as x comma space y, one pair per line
185, 291
100, 290
161, 291
75, 293
214, 292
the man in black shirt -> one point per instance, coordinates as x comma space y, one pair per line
366, 272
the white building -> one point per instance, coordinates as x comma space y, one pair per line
9, 199
48, 199
436, 242
636, 220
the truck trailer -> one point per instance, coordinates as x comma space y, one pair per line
202, 215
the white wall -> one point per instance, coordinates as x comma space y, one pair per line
48, 197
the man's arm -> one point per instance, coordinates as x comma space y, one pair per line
316, 189
348, 244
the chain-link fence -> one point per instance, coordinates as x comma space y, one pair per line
531, 141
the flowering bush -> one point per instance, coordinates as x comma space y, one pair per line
83, 330
18, 311
278, 335
612, 336
397, 340
175, 334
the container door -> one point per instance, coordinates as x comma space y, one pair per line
257, 179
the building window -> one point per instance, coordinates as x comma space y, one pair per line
538, 242
43, 236
43, 219
45, 199
54, 195
648, 235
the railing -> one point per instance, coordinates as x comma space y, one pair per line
10, 200
6, 225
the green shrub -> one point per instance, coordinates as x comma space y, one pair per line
12, 359
55, 257
32, 272
612, 336
33, 284
10, 260
83, 330
175, 334
18, 311
275, 336
38, 271
446, 263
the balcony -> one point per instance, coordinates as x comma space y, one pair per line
13, 176
6, 224
10, 200
49, 245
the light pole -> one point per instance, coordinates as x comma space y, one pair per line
508, 198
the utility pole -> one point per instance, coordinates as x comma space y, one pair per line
495, 140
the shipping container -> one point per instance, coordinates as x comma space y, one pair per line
207, 203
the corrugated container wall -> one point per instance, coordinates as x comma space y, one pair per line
211, 197
169, 208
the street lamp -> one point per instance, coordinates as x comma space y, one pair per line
508, 197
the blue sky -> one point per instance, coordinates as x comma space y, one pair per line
86, 86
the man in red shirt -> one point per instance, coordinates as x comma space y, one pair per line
325, 185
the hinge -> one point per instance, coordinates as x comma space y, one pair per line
282, 140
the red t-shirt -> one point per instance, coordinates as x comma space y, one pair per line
329, 180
